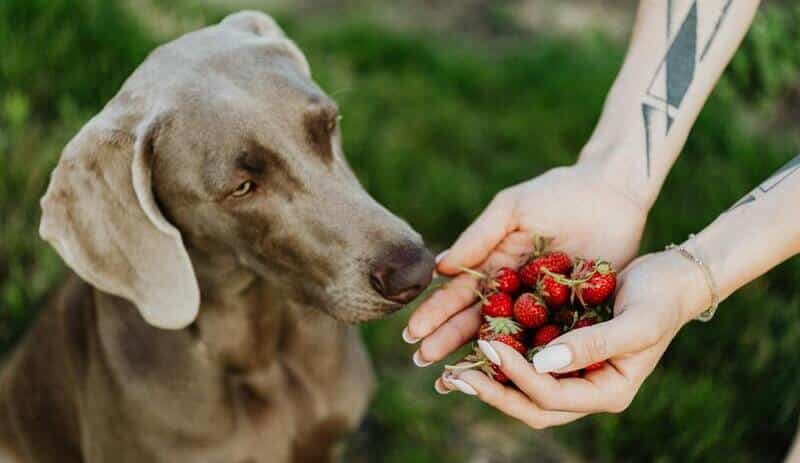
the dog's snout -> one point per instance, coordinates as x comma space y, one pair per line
402, 273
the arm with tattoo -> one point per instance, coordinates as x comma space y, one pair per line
657, 295
597, 207
757, 233
677, 52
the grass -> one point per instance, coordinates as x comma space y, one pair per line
434, 127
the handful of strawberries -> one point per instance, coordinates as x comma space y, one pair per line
549, 295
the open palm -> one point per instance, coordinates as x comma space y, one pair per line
585, 216
658, 294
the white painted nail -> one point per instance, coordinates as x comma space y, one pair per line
441, 255
408, 338
552, 358
489, 351
418, 361
440, 387
463, 386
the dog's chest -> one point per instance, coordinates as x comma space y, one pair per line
290, 402
301, 407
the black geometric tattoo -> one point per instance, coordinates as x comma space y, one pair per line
776, 179
674, 75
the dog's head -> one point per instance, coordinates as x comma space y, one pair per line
221, 150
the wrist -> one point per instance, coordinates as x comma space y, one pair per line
695, 295
611, 163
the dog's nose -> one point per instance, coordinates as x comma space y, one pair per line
402, 273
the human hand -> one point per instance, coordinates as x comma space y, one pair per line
657, 295
586, 215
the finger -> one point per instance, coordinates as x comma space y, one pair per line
607, 391
453, 334
453, 297
441, 387
627, 333
512, 402
479, 239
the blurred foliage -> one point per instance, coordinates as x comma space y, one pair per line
433, 128
770, 57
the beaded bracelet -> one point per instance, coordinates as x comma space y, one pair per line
707, 314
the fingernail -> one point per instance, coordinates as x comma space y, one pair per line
489, 351
441, 256
408, 338
552, 358
463, 386
440, 387
418, 361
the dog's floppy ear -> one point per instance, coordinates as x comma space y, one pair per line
100, 214
255, 22
262, 25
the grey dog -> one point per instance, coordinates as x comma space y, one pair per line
222, 251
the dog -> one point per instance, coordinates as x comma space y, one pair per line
222, 252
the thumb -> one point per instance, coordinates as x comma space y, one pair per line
479, 239
627, 333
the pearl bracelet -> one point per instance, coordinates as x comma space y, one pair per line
707, 314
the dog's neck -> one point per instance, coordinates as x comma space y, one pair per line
245, 321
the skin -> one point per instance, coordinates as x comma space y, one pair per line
211, 197
620, 171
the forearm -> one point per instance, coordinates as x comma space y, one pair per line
677, 52
756, 234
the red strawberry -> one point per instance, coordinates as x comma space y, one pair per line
565, 317
584, 322
546, 334
530, 311
498, 375
600, 285
511, 341
497, 305
555, 294
569, 374
556, 262
506, 281
595, 366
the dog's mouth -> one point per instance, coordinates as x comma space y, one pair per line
357, 290
359, 306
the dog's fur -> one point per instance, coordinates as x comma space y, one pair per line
202, 326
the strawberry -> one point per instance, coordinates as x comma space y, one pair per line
546, 334
506, 280
565, 317
595, 366
554, 293
584, 322
600, 282
497, 305
556, 262
498, 375
510, 340
530, 311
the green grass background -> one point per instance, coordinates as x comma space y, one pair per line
435, 124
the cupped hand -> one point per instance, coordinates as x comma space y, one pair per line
585, 215
657, 295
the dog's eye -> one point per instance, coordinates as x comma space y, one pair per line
243, 189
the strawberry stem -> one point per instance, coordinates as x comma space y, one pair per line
480, 295
467, 366
472, 272
564, 280
540, 244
